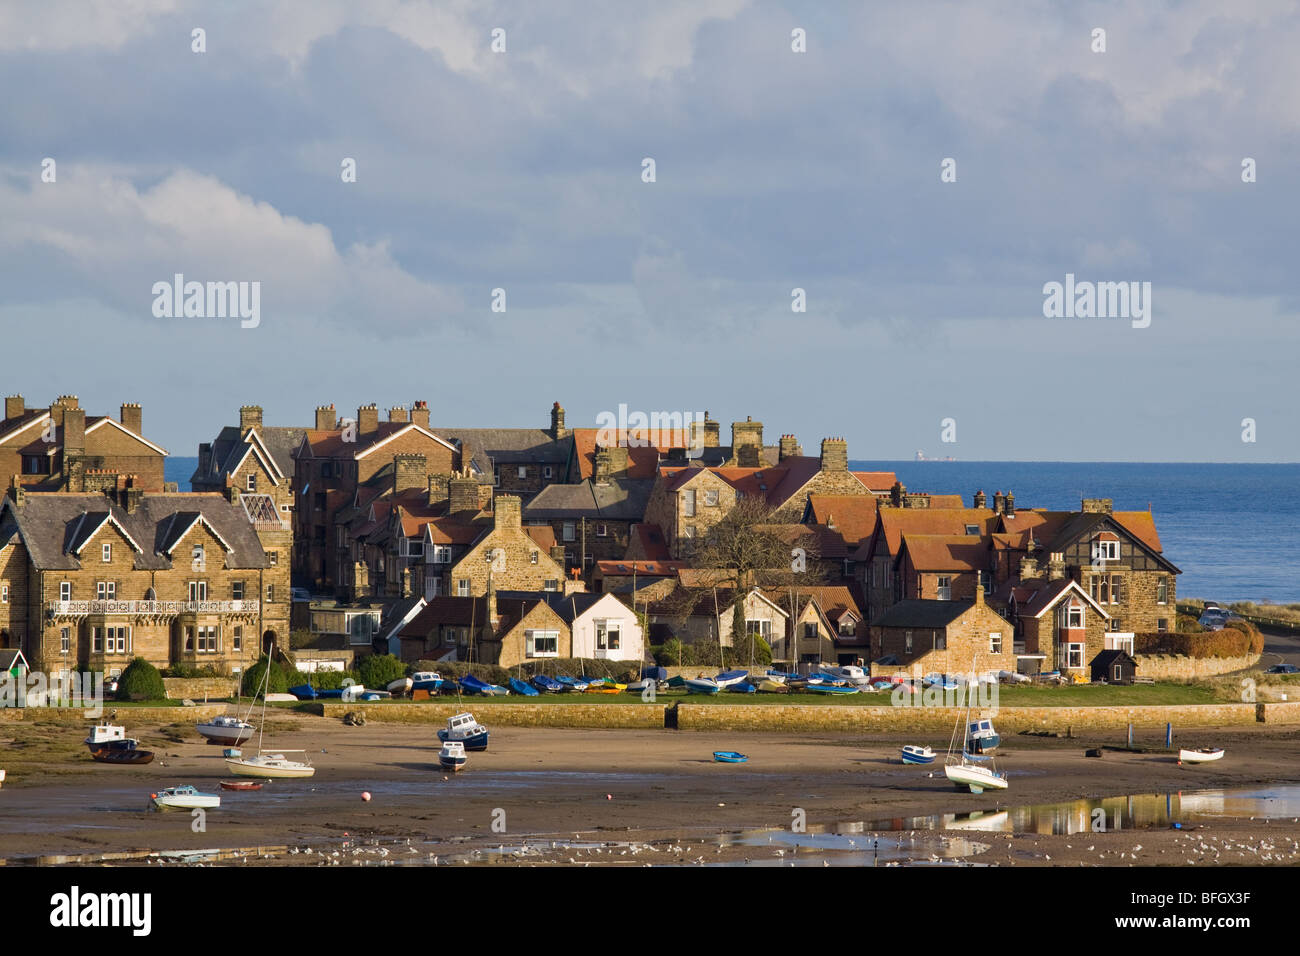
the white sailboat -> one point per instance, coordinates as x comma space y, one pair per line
274, 764
975, 771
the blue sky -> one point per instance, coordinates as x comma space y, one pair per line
774, 170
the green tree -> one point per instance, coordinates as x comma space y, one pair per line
379, 670
255, 675
141, 681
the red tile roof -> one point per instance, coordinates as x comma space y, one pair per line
939, 552
854, 516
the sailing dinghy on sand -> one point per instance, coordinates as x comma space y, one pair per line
275, 764
969, 770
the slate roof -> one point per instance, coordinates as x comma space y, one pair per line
229, 448
49, 523
569, 607
643, 460
620, 499
485, 447
922, 613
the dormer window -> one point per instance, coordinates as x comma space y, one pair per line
972, 529
1105, 548
107, 553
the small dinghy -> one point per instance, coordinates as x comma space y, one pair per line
702, 685
122, 755
639, 686
572, 683
452, 756
472, 685
728, 756
400, 687
184, 798
727, 678
832, 689
519, 687
303, 692
241, 785
769, 686
547, 684
744, 687
1204, 755
914, 754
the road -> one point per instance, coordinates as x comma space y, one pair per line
1280, 647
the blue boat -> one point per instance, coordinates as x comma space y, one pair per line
572, 683
472, 685
728, 756
727, 678
548, 684
519, 687
828, 688
744, 687
657, 674
467, 730
430, 681
981, 738
914, 754
304, 692
702, 685
330, 694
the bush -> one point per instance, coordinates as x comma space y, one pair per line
190, 671
255, 675
1237, 639
1188, 624
377, 671
300, 638
321, 680
141, 681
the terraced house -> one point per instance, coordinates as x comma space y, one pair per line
90, 581
60, 448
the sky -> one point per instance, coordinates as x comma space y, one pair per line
522, 169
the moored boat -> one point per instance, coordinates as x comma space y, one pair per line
472, 685
972, 770
769, 686
914, 754
303, 692
729, 756
981, 738
727, 678
744, 687
184, 798
572, 683
466, 730
1204, 755
826, 687
400, 687
547, 684
452, 755
430, 681
520, 687
109, 737
130, 754
226, 730
702, 685
241, 785
275, 765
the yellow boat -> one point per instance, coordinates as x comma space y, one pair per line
606, 688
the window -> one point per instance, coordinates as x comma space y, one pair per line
847, 569
65, 590
523, 471
1074, 655
4, 593
207, 639
547, 472
1105, 550
907, 642
1162, 591
688, 503
107, 553
65, 640
441, 554
252, 482
110, 640
236, 590
237, 638
1100, 588
532, 557
1115, 624
198, 591
414, 547
541, 643
97, 640
972, 529
711, 499
759, 627
1074, 616
809, 630
940, 640
1117, 673
273, 558
36, 465
552, 584
607, 635
1115, 584
105, 590
995, 642
1162, 624
569, 531
943, 590
462, 587
496, 476
270, 594
602, 531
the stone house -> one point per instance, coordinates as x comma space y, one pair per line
61, 449
519, 461
937, 567
704, 615
94, 580
490, 629
602, 626
1059, 627
918, 637
509, 555
592, 520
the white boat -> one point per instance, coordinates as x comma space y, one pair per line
401, 687
852, 673
281, 698
970, 770
1204, 755
184, 798
465, 730
914, 754
452, 756
270, 765
226, 730
273, 764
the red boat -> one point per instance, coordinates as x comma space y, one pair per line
240, 785
122, 755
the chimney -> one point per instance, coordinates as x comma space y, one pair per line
397, 414
420, 414
506, 511
747, 456
462, 494
131, 416
205, 458
326, 418
1056, 566
980, 500
1009, 508
558, 430
1029, 569
897, 494
132, 494
979, 588
557, 555
789, 447
611, 463
367, 420
250, 416
439, 489
409, 472
74, 431
1100, 506
16, 492
712, 432
14, 406
999, 502
745, 435
835, 454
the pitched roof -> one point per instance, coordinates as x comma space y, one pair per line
231, 447
895, 522
620, 499
944, 552
329, 443
486, 447
922, 613
649, 541
640, 568
642, 457
569, 607
853, 516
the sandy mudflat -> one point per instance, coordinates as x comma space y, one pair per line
602, 786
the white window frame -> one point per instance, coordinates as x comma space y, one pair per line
602, 531
1162, 589
106, 552
711, 498
523, 471
605, 627
1073, 652
942, 591
532, 557
462, 587
552, 584
1070, 611
995, 642
688, 503
270, 594
4, 592
569, 531
198, 591
65, 591
530, 643
441, 554
65, 640
252, 481
547, 472
1105, 550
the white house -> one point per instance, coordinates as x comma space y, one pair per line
603, 627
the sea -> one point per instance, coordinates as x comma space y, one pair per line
1232, 529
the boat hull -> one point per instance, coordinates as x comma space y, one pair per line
917, 755
729, 756
702, 686
250, 767
222, 734
240, 785
122, 755
162, 800
452, 763
474, 742
976, 779
830, 689
1199, 756
983, 745
519, 687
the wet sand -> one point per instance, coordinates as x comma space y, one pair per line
658, 796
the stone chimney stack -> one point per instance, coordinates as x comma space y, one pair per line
712, 432
131, 415
558, 430
439, 489
16, 492
897, 494
507, 511
789, 447
1100, 506
611, 463
131, 494
74, 431
557, 555
367, 420
835, 454
14, 406
1029, 569
397, 414
747, 443
250, 416
420, 414
462, 492
409, 472
999, 502
980, 500
1056, 566
1009, 507
326, 417
979, 588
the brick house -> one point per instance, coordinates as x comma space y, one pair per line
822, 625
937, 567
61, 449
927, 636
91, 581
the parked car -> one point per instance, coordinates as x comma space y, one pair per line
1283, 669
1213, 619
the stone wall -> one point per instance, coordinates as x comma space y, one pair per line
632, 715
125, 715
1182, 667
196, 688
